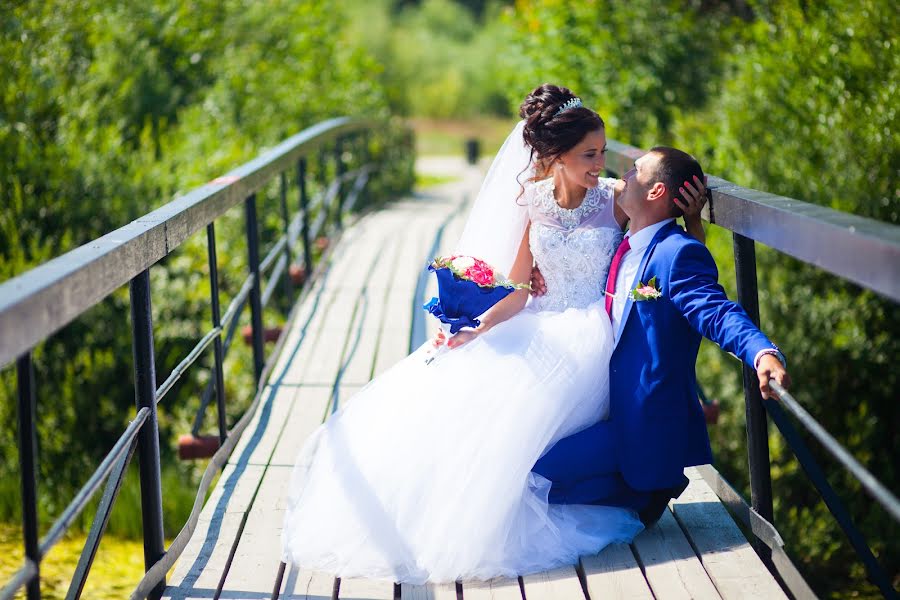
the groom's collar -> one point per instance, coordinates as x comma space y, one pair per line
640, 240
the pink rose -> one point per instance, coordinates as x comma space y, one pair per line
480, 273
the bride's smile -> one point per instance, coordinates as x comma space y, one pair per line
580, 168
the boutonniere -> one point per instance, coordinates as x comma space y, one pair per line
648, 291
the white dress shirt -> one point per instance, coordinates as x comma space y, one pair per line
625, 278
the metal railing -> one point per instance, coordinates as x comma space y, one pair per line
40, 302
797, 229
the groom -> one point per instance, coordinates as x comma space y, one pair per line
656, 427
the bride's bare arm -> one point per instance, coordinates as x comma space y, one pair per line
693, 197
513, 303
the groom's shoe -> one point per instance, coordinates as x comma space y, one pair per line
659, 500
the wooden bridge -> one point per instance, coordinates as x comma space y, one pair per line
359, 313
362, 315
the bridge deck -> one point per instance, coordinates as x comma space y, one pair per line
357, 320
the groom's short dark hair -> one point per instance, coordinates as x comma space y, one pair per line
673, 168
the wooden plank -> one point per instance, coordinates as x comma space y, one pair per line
303, 584
429, 591
732, 564
358, 366
199, 569
394, 343
393, 347
234, 490
359, 361
255, 563
553, 585
258, 441
366, 589
614, 573
327, 332
201, 565
296, 336
345, 394
499, 588
670, 564
307, 414
298, 362
363, 337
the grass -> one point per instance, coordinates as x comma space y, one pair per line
117, 568
119, 563
448, 137
426, 180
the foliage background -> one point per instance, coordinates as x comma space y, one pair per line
107, 112
794, 98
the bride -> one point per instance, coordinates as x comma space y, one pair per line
426, 474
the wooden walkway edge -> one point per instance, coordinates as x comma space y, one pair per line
362, 316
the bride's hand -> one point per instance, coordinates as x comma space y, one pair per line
463, 337
693, 198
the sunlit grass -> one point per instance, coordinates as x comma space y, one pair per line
119, 563
448, 137
117, 568
426, 180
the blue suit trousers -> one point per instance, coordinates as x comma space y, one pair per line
594, 481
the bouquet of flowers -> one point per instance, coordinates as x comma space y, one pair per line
467, 288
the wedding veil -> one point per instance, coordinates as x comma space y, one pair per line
499, 215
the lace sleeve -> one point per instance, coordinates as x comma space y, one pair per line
607, 192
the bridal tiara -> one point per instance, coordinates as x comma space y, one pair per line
570, 104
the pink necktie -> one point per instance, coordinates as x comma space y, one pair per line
624, 247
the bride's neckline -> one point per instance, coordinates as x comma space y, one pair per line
552, 191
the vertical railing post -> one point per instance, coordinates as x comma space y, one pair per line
286, 217
28, 466
218, 351
322, 173
362, 162
757, 425
255, 303
148, 437
339, 171
304, 211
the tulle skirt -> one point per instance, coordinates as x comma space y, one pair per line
425, 475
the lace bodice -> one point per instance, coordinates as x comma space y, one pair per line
572, 247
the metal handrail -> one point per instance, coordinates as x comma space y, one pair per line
25, 574
875, 488
798, 229
837, 508
36, 304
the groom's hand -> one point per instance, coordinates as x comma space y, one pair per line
538, 285
768, 368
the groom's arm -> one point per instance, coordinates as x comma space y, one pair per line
694, 289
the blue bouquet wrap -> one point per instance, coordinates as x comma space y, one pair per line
460, 301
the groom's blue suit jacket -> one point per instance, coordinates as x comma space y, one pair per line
654, 408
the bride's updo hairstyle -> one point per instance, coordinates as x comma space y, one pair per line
550, 132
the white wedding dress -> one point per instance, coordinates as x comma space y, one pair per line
425, 475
